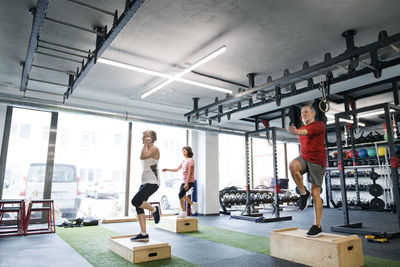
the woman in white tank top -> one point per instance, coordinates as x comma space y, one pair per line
150, 183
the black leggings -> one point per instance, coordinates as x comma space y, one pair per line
182, 191
145, 191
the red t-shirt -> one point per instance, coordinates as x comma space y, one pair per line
312, 146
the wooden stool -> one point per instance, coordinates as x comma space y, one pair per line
51, 225
12, 230
159, 208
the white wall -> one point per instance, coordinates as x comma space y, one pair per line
205, 148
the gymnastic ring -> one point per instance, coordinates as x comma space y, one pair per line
328, 106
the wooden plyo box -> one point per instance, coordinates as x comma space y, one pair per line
136, 252
119, 219
178, 225
325, 250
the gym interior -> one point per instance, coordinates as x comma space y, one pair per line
81, 81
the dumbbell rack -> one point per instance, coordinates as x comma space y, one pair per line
357, 228
249, 213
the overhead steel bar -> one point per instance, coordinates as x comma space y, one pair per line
92, 7
130, 9
73, 26
43, 81
52, 106
62, 51
65, 46
60, 57
38, 18
219, 79
53, 69
42, 92
383, 65
290, 78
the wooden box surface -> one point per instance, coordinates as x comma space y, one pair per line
178, 225
325, 250
119, 219
136, 252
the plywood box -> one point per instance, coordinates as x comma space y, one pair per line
325, 250
178, 225
119, 219
136, 252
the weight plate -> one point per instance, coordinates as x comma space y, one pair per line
377, 204
374, 176
375, 190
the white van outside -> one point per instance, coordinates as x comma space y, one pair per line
65, 187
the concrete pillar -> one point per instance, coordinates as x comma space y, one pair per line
205, 148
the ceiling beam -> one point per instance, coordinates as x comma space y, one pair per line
130, 9
38, 18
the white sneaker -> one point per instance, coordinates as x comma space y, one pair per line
181, 215
194, 208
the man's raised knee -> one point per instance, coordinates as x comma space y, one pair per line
294, 166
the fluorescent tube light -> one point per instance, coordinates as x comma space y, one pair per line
162, 75
380, 112
348, 121
214, 54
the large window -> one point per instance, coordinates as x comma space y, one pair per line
232, 161
170, 141
27, 148
90, 166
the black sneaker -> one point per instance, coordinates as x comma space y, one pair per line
304, 200
314, 231
140, 238
156, 215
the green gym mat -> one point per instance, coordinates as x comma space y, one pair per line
260, 244
254, 243
91, 242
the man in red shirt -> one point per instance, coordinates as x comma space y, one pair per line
312, 159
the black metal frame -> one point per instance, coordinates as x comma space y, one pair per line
248, 214
38, 19
356, 228
215, 111
103, 40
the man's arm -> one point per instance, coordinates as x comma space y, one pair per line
295, 131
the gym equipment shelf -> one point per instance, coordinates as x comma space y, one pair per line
357, 228
249, 212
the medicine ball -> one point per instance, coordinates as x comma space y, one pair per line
349, 163
381, 151
371, 152
334, 155
351, 154
345, 154
362, 153
397, 149
334, 164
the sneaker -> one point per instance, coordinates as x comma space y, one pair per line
156, 215
140, 238
303, 201
181, 215
314, 231
194, 208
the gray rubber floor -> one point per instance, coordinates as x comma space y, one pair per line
47, 250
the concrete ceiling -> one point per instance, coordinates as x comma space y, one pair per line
264, 37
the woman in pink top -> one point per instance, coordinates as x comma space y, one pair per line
187, 167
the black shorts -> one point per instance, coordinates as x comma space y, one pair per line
182, 191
